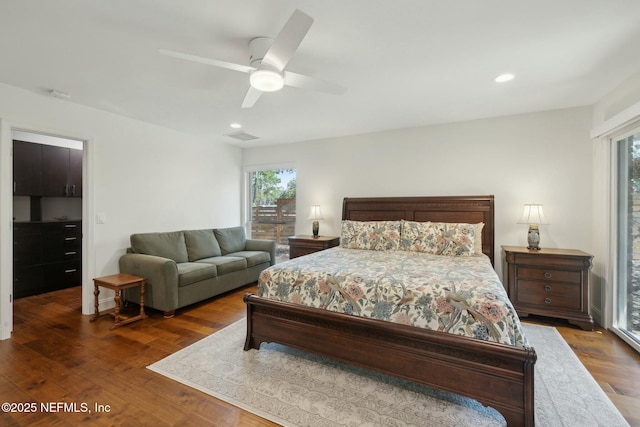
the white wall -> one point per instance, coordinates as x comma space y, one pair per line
142, 177
542, 158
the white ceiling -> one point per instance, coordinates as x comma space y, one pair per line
405, 63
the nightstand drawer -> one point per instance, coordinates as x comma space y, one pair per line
549, 274
549, 294
295, 252
305, 245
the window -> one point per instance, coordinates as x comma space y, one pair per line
626, 316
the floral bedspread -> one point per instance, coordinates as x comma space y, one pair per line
454, 294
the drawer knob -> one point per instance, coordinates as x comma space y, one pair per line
547, 288
547, 275
547, 300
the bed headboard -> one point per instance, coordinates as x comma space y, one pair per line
469, 209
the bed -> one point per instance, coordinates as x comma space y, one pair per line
497, 374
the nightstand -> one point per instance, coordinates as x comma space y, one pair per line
549, 282
304, 245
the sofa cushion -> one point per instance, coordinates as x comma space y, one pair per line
201, 244
226, 264
192, 272
231, 239
167, 245
253, 257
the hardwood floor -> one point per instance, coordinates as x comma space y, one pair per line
57, 355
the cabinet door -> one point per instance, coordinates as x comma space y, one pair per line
55, 167
74, 178
27, 158
27, 281
27, 244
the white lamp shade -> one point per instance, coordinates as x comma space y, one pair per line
266, 80
315, 213
532, 214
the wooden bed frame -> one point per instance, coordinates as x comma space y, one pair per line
497, 375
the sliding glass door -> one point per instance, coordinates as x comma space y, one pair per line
272, 207
626, 318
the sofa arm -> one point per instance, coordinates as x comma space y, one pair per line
161, 275
262, 245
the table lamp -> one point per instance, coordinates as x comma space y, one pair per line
533, 216
315, 215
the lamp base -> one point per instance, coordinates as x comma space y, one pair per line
316, 229
533, 238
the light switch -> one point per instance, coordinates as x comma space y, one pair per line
101, 218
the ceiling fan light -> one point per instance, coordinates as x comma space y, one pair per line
503, 78
266, 80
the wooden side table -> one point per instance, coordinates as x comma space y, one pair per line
550, 282
304, 245
118, 282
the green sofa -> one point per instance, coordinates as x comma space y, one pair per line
185, 267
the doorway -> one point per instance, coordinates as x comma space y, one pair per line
47, 213
272, 207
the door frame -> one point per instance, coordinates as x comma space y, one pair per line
6, 217
627, 131
246, 187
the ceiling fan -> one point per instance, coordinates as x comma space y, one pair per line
268, 59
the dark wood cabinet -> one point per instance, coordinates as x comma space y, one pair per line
27, 259
549, 282
46, 170
75, 172
61, 171
304, 245
47, 256
27, 161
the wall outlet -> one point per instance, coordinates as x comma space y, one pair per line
101, 218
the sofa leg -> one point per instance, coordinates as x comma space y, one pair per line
168, 314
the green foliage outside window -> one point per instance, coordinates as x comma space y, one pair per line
266, 187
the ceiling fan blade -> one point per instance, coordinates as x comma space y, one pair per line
306, 82
208, 61
288, 40
251, 97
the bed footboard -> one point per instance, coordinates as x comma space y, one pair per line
497, 375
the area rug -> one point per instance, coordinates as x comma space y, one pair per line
294, 388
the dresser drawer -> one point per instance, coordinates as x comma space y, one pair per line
549, 275
555, 295
61, 275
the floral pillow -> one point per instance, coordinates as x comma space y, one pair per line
477, 240
419, 237
371, 235
439, 238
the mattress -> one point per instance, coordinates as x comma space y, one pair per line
460, 295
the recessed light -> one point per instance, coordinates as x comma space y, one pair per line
236, 125
504, 78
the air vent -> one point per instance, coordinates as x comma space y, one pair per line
241, 136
